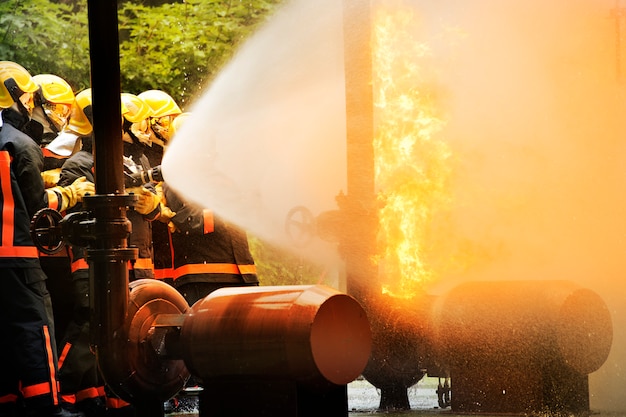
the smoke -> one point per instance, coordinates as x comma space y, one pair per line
535, 118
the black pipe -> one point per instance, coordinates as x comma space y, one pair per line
108, 253
105, 83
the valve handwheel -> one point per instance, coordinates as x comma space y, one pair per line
300, 226
45, 231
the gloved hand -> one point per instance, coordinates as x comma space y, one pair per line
74, 193
51, 177
166, 213
172, 227
147, 201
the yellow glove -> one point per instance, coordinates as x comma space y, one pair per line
51, 177
172, 227
147, 201
166, 213
74, 193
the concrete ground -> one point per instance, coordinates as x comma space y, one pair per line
363, 401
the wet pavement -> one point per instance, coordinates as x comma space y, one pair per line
363, 401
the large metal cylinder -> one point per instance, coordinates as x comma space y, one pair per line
538, 320
308, 334
521, 346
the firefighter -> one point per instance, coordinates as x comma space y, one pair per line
81, 385
53, 103
164, 111
137, 138
28, 381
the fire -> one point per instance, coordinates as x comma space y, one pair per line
412, 167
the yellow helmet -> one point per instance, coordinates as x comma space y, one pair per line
81, 118
56, 98
161, 103
15, 82
55, 89
136, 113
134, 109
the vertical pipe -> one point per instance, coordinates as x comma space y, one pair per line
108, 254
359, 204
105, 83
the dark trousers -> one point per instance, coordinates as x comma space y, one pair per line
28, 343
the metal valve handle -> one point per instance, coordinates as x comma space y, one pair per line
45, 230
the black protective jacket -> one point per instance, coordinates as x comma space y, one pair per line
81, 164
21, 194
204, 247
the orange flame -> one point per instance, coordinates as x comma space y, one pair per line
412, 167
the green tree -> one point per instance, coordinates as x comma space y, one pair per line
278, 266
46, 37
180, 46
176, 46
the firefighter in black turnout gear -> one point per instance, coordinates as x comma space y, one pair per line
28, 382
82, 387
206, 252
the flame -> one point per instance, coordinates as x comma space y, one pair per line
412, 167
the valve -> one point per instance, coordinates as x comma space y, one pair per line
45, 230
300, 226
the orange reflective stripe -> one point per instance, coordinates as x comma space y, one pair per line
9, 398
8, 205
164, 273
247, 269
64, 352
68, 398
213, 269
53, 200
18, 251
35, 390
101, 392
143, 263
79, 264
116, 403
51, 366
209, 224
87, 393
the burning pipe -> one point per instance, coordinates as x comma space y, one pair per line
505, 347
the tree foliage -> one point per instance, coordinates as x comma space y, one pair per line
182, 45
46, 37
278, 266
176, 46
